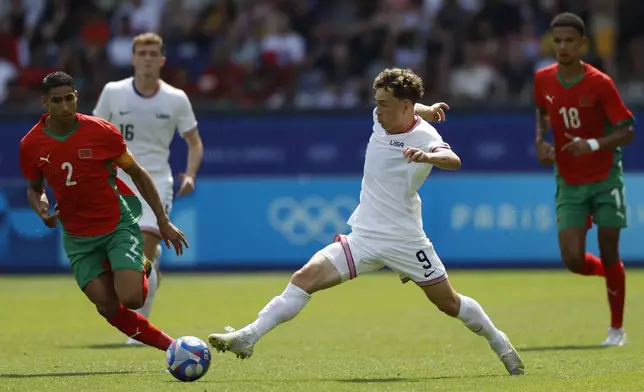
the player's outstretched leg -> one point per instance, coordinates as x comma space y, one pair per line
318, 274
608, 239
475, 319
102, 291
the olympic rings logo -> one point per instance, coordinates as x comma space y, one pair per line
314, 218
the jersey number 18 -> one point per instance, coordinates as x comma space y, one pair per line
570, 117
127, 130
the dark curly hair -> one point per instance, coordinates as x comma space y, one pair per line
56, 79
403, 83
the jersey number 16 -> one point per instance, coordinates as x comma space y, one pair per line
127, 130
570, 117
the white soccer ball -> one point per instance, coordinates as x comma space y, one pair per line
188, 358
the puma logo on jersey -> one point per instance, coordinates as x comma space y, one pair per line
125, 113
396, 143
44, 159
163, 116
550, 98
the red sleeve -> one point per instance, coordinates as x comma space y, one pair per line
617, 112
28, 164
539, 98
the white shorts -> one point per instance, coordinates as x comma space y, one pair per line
148, 222
417, 261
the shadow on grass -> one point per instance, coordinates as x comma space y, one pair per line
69, 374
106, 346
563, 348
355, 380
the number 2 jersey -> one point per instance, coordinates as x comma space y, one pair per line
80, 167
390, 207
148, 124
590, 108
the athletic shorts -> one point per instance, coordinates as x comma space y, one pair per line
416, 261
122, 249
148, 221
602, 200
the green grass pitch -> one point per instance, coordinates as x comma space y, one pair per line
372, 334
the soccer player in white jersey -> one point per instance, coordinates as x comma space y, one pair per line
387, 227
148, 112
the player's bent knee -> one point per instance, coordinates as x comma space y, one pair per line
132, 301
318, 274
108, 308
450, 305
573, 260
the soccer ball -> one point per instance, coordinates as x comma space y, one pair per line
188, 358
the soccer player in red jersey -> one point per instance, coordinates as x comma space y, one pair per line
78, 156
590, 123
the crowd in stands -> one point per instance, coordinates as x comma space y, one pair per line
320, 54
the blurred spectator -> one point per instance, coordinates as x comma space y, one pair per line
313, 53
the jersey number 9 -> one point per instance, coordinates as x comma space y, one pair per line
127, 130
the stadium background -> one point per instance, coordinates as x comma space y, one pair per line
282, 93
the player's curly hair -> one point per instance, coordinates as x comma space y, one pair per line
568, 19
56, 79
403, 83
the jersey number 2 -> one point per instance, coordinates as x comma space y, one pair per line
66, 166
570, 117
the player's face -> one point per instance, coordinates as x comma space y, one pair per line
61, 102
390, 110
568, 44
147, 59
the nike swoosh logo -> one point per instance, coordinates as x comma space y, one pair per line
429, 274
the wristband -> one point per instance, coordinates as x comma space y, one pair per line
593, 143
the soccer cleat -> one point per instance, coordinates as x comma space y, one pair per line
508, 354
237, 342
133, 342
616, 337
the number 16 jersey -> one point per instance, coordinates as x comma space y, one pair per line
148, 123
590, 108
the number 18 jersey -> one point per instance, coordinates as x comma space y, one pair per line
590, 108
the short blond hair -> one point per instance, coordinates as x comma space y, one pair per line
148, 39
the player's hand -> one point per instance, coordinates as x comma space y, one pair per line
434, 113
414, 155
577, 146
545, 153
172, 235
50, 220
187, 185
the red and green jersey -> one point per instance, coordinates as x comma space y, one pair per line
79, 167
590, 108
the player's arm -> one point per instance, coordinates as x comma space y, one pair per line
433, 113
439, 155
195, 152
36, 195
620, 117
545, 150
144, 183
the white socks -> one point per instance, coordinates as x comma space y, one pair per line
475, 319
279, 310
153, 284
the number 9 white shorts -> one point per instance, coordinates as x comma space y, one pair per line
417, 261
148, 222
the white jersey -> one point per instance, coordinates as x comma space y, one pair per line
390, 206
148, 124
